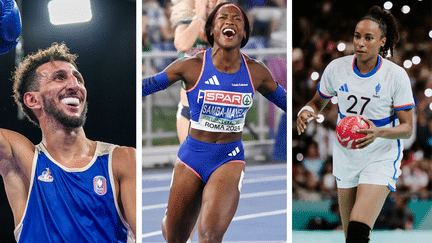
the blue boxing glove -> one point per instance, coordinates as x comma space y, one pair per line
10, 25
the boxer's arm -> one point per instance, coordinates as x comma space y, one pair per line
124, 170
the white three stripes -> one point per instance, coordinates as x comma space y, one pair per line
213, 81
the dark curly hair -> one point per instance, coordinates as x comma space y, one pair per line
25, 78
388, 26
209, 24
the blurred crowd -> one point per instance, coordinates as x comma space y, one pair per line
323, 32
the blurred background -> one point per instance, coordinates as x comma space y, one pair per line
322, 32
106, 45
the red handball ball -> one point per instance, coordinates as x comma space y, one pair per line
346, 131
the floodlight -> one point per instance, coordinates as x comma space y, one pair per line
388, 5
69, 11
406, 9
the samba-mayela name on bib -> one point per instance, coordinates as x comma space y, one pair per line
223, 111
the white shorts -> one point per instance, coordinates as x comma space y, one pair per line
368, 176
352, 167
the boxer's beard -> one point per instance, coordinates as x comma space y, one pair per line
66, 121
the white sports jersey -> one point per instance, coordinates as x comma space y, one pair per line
376, 96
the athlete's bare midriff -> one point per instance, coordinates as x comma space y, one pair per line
214, 137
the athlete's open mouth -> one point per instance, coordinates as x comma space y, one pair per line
72, 101
229, 33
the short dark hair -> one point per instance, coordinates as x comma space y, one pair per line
25, 78
209, 24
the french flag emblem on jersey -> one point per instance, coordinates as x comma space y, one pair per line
99, 185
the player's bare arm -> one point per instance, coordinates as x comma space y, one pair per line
124, 170
402, 131
261, 76
310, 110
187, 69
186, 34
265, 84
16, 156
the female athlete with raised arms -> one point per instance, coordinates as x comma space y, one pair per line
379, 91
220, 84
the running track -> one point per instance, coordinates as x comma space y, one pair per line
261, 215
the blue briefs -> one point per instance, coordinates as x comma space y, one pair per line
204, 158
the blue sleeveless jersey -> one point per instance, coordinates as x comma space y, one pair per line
219, 101
72, 205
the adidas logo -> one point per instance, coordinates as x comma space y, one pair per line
213, 81
234, 152
344, 88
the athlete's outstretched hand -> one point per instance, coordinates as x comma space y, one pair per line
371, 134
200, 8
305, 117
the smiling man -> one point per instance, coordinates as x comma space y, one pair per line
68, 187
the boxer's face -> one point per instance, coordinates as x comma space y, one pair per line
63, 93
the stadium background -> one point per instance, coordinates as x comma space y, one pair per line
322, 32
107, 60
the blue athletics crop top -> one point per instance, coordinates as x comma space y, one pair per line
219, 101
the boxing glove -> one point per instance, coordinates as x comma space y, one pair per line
10, 25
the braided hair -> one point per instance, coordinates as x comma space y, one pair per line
388, 26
